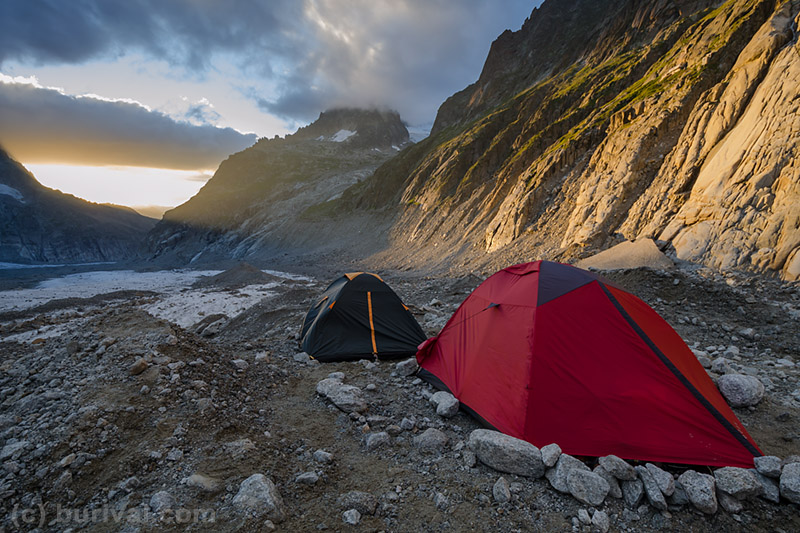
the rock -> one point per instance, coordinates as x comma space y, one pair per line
721, 365
363, 502
352, 517
407, 367
729, 503
614, 490
63, 481
557, 476
175, 454
790, 482
301, 357
664, 480
654, 494
740, 390
204, 483
741, 483
789, 460
501, 491
240, 364
700, 490
584, 517
321, 456
13, 450
629, 254
161, 501
619, 468
770, 490
236, 449
587, 487
138, 367
431, 440
258, 496
550, 454
679, 496
601, 521
441, 501
307, 478
768, 465
470, 459
374, 441
506, 454
407, 424
446, 404
346, 397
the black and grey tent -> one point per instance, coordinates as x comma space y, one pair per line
360, 317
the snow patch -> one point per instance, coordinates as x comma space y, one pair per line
13, 193
342, 135
189, 307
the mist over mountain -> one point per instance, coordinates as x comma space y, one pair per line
41, 225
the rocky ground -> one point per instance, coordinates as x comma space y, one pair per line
115, 419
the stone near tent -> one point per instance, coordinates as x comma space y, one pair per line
258, 496
721, 365
501, 491
740, 390
632, 492
587, 487
790, 482
729, 503
664, 480
629, 254
139, 366
307, 478
700, 490
204, 483
651, 489
407, 367
557, 476
768, 465
770, 490
446, 404
346, 397
550, 454
321, 456
614, 490
679, 496
741, 483
431, 440
619, 468
506, 454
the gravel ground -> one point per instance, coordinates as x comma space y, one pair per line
107, 409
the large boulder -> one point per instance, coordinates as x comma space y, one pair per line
258, 497
619, 468
651, 489
740, 390
506, 454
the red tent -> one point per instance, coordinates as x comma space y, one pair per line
547, 352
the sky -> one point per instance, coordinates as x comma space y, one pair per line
136, 102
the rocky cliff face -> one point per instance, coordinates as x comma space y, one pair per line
38, 224
268, 198
600, 121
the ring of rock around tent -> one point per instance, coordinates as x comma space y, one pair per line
771, 478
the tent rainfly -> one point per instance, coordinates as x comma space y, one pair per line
547, 352
359, 317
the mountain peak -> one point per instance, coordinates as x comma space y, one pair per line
363, 128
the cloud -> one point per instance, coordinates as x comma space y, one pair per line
297, 57
45, 125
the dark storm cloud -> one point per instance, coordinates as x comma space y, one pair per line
42, 125
298, 56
